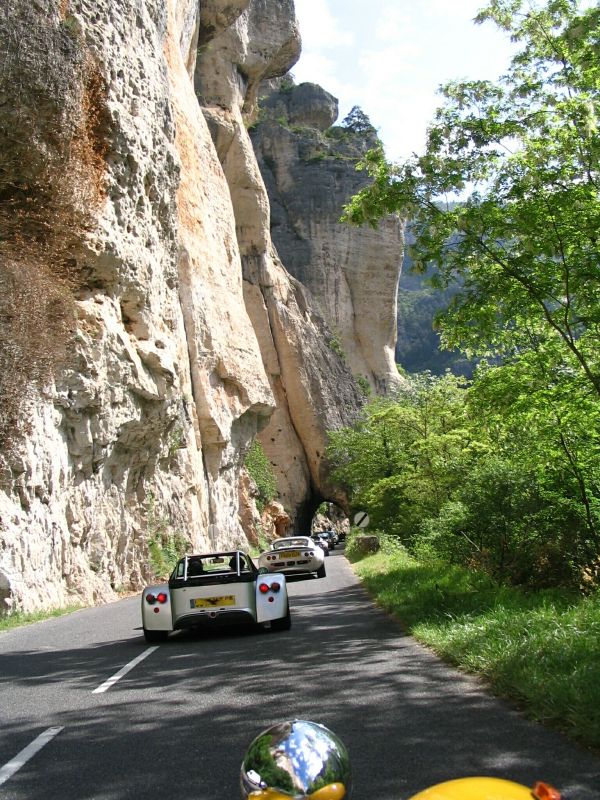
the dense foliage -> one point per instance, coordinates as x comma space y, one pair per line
503, 475
524, 245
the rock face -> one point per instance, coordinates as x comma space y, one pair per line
307, 105
138, 231
313, 388
309, 169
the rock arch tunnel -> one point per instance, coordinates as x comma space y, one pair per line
310, 508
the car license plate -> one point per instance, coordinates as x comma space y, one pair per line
291, 554
212, 602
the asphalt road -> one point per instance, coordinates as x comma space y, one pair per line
176, 725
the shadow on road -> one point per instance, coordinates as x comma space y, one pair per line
189, 711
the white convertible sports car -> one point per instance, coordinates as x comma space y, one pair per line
294, 555
215, 589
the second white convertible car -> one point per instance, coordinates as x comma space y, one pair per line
294, 555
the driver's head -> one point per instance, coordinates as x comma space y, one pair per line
486, 789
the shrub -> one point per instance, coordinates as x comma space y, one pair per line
260, 470
336, 347
364, 385
165, 550
165, 547
361, 543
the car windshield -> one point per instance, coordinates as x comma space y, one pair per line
297, 541
212, 564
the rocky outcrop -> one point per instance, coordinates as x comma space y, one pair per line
313, 388
309, 169
142, 430
149, 328
307, 105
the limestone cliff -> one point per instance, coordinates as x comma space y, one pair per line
309, 168
148, 327
312, 385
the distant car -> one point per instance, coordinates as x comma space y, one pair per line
322, 543
215, 589
293, 555
331, 537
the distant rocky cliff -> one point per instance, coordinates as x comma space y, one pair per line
148, 326
309, 168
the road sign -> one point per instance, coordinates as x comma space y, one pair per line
361, 519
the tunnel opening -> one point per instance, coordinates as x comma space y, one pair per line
320, 514
329, 516
306, 513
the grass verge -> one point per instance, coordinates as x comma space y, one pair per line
541, 649
19, 619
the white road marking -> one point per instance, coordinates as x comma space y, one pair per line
15, 764
127, 668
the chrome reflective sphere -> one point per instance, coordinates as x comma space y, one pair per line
298, 759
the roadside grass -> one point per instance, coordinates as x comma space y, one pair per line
540, 649
18, 619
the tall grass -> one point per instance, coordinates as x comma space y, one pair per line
541, 649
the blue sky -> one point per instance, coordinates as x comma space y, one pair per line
390, 56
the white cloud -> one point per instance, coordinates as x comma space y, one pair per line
393, 24
319, 68
391, 61
319, 28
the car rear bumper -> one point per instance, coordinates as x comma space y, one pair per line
214, 618
299, 570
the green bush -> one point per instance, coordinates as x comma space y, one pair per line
501, 476
334, 344
364, 385
260, 470
390, 545
165, 547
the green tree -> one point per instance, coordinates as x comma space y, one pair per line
357, 121
502, 475
546, 420
524, 244
403, 459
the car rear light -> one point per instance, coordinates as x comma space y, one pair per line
150, 599
162, 597
543, 791
263, 588
275, 587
